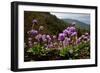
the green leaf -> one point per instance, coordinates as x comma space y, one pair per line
29, 50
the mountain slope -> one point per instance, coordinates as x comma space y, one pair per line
51, 24
79, 24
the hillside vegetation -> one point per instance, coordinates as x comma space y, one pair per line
47, 37
51, 23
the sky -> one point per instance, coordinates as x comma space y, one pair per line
77, 16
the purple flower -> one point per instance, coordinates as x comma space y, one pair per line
72, 29
48, 38
87, 34
66, 41
69, 33
78, 40
39, 37
65, 31
74, 34
68, 28
34, 21
44, 38
29, 38
34, 32
61, 37
82, 36
85, 38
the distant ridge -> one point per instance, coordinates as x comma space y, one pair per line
79, 24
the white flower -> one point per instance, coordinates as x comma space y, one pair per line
41, 28
71, 51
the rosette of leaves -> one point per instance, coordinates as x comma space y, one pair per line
81, 50
66, 53
38, 52
85, 50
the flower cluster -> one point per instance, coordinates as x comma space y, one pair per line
68, 36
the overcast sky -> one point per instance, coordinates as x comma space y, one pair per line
77, 16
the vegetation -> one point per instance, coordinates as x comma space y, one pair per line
50, 38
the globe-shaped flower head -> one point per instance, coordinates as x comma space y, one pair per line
34, 21
61, 37
34, 32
